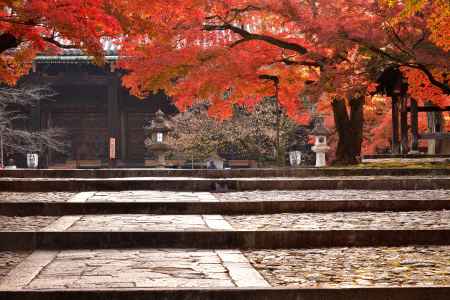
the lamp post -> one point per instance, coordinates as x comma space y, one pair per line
320, 146
157, 130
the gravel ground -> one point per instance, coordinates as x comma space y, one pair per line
335, 195
8, 260
32, 223
350, 267
343, 220
35, 197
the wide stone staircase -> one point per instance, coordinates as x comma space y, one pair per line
234, 234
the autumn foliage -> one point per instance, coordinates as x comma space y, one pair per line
314, 56
28, 27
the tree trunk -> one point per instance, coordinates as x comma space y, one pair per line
349, 129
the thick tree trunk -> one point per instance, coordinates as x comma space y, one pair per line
350, 130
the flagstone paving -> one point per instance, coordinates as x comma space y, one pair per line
9, 260
150, 196
349, 267
343, 220
184, 268
139, 223
136, 268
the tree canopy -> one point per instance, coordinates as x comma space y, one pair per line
314, 55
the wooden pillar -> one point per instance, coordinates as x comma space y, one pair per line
113, 115
35, 117
414, 127
404, 144
395, 127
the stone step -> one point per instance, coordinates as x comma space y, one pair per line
337, 273
411, 220
237, 184
227, 239
234, 173
399, 293
222, 208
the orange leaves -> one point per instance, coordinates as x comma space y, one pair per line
439, 24
39, 25
14, 65
422, 90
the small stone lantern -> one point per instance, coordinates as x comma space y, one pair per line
215, 162
320, 146
157, 131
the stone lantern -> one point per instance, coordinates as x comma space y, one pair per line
320, 146
157, 132
215, 162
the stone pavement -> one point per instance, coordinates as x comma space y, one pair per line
340, 194
168, 196
348, 267
131, 268
344, 221
137, 267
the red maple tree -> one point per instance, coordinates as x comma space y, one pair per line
329, 51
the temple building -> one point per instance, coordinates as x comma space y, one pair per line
101, 119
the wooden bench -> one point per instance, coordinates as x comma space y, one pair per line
89, 164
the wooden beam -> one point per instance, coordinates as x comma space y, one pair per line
404, 143
395, 123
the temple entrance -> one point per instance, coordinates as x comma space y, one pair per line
87, 137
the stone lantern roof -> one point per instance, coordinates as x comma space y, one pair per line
159, 124
320, 129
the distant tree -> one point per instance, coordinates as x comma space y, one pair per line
17, 137
248, 134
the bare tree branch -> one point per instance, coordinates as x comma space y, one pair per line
18, 139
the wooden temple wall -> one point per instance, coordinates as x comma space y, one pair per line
93, 107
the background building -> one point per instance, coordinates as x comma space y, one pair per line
93, 107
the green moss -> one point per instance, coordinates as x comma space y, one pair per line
398, 164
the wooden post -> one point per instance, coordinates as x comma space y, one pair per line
113, 114
395, 138
404, 144
414, 127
